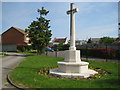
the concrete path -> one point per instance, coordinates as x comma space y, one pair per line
8, 64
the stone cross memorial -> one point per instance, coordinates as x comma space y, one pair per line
72, 26
72, 65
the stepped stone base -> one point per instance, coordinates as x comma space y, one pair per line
72, 66
56, 72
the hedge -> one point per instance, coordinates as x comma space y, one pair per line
101, 53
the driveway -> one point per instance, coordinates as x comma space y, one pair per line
8, 64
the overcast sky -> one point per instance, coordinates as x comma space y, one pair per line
95, 19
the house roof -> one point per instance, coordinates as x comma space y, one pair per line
116, 42
62, 40
18, 29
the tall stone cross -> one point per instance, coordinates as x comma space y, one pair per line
72, 12
72, 66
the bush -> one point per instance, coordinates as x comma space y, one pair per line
24, 48
61, 47
100, 53
3, 54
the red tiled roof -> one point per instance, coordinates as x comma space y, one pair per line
20, 30
116, 42
62, 40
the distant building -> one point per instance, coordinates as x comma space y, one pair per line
95, 40
80, 42
57, 41
12, 38
116, 42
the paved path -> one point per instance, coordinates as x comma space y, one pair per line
8, 64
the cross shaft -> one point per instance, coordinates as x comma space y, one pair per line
72, 11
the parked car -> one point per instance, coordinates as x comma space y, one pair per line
49, 49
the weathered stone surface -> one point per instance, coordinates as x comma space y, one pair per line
72, 56
70, 67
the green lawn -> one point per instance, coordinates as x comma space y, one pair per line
26, 75
28, 53
3, 55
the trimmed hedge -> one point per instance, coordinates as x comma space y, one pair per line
101, 53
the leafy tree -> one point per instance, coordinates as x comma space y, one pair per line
117, 39
39, 33
60, 45
66, 47
106, 40
89, 40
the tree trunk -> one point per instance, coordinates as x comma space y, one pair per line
38, 52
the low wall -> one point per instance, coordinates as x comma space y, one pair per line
55, 54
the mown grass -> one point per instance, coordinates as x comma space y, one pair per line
3, 55
28, 53
26, 75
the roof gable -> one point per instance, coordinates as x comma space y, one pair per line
19, 30
62, 40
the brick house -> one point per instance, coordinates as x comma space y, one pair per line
57, 41
12, 38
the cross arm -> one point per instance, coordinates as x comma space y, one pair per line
74, 11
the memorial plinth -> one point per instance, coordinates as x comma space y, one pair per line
72, 65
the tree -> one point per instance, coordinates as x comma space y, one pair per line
60, 45
117, 39
39, 33
106, 40
89, 40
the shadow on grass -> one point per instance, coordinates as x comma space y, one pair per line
20, 55
109, 82
26, 68
7, 68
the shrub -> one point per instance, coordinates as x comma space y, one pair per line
100, 52
61, 47
24, 48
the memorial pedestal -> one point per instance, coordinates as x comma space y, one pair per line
73, 66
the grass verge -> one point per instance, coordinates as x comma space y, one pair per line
3, 55
26, 75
